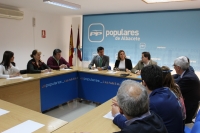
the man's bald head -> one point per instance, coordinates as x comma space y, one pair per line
132, 98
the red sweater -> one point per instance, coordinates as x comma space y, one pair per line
52, 63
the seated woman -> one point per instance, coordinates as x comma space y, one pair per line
168, 81
7, 66
122, 63
35, 65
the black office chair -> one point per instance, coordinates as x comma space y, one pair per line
23, 71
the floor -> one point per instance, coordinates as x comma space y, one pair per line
71, 110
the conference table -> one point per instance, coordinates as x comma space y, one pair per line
43, 91
91, 122
18, 115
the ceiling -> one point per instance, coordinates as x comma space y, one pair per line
100, 6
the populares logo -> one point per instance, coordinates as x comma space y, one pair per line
96, 32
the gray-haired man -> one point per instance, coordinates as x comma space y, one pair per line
189, 85
133, 102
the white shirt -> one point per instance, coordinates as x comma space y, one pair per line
6, 73
122, 64
146, 64
182, 74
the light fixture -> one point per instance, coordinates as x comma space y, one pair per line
162, 1
63, 4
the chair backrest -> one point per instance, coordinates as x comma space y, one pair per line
23, 71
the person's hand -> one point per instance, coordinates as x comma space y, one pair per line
15, 75
127, 70
92, 68
45, 70
65, 66
138, 72
114, 110
99, 68
62, 66
116, 69
114, 102
49, 69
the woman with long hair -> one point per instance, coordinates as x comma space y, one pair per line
168, 81
7, 66
35, 65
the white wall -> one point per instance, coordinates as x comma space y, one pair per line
22, 38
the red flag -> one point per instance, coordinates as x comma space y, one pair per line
78, 47
71, 48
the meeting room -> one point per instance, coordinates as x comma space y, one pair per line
71, 66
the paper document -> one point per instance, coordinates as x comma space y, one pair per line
94, 70
2, 112
27, 78
28, 126
48, 72
112, 72
109, 116
66, 69
18, 77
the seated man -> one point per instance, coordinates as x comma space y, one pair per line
56, 62
189, 85
101, 61
177, 76
146, 60
133, 102
161, 101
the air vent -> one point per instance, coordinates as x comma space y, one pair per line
11, 14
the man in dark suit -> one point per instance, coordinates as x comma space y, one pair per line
101, 61
177, 77
189, 85
133, 102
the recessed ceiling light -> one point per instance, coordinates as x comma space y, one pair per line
63, 4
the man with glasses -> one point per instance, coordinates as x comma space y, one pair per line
146, 60
189, 85
101, 61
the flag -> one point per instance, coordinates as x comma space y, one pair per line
71, 48
78, 47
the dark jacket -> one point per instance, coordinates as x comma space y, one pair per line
32, 67
52, 63
177, 77
150, 124
128, 64
190, 88
165, 104
96, 59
